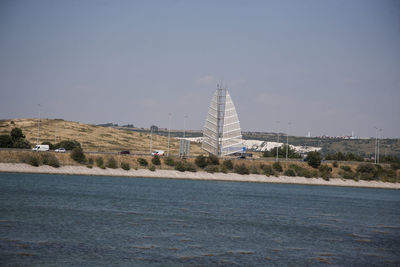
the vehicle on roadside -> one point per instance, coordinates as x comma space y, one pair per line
124, 152
158, 153
38, 148
60, 150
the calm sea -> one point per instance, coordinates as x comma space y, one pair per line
109, 221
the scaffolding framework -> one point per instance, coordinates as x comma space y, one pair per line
222, 134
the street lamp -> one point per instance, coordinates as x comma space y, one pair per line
169, 131
380, 130
277, 145
38, 137
376, 141
184, 125
151, 139
287, 141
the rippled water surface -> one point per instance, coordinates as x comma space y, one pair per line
90, 221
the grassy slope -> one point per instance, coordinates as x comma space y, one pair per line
93, 138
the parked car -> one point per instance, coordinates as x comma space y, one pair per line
158, 153
61, 150
38, 148
124, 152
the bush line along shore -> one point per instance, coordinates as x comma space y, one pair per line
201, 167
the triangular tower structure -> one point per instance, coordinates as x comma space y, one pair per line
222, 135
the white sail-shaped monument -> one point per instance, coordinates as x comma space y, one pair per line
222, 135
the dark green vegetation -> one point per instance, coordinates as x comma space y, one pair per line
41, 159
314, 159
16, 139
77, 155
156, 160
282, 152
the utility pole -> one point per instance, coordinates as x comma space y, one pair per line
376, 142
184, 125
151, 139
380, 130
277, 145
38, 137
55, 134
169, 131
287, 141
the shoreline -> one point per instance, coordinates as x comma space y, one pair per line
200, 175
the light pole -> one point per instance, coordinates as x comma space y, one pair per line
55, 134
38, 137
287, 141
184, 125
380, 130
277, 145
151, 139
169, 131
376, 141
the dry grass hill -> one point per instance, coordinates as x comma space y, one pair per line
93, 138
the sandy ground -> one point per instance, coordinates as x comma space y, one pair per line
171, 174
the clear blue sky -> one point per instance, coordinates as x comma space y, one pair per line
329, 67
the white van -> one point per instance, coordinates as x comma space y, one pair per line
41, 148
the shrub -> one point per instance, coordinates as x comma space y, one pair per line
125, 166
300, 171
180, 166
142, 162
347, 175
254, 170
100, 162
366, 171
241, 169
156, 160
213, 160
90, 161
346, 168
277, 166
289, 172
314, 159
211, 168
325, 171
267, 169
169, 161
112, 163
152, 168
31, 160
50, 159
335, 164
89, 166
77, 155
201, 161
223, 169
228, 164
190, 167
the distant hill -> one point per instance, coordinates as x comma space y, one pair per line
92, 137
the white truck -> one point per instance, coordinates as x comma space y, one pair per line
41, 148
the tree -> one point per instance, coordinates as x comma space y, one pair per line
16, 134
6, 141
21, 143
68, 144
314, 159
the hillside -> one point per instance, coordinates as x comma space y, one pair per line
91, 137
